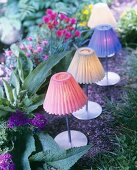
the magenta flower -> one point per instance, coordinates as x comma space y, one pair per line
53, 16
51, 26
39, 121
59, 33
77, 33
67, 19
49, 11
8, 53
68, 35
62, 16
73, 20
6, 162
46, 19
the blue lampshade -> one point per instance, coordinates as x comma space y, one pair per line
104, 41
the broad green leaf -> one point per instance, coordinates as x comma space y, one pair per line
26, 64
15, 82
72, 156
25, 145
38, 76
54, 156
20, 70
8, 91
6, 109
36, 102
1, 92
62, 161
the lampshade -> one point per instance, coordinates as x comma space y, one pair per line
101, 14
86, 67
104, 41
64, 95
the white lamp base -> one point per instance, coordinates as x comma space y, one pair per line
113, 78
78, 139
94, 110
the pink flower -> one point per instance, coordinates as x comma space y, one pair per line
28, 54
73, 20
29, 47
50, 26
55, 23
67, 19
49, 11
29, 38
59, 33
53, 16
65, 31
46, 19
8, 53
68, 35
45, 57
39, 49
62, 16
22, 47
35, 51
45, 42
77, 33
70, 28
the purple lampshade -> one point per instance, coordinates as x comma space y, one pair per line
104, 41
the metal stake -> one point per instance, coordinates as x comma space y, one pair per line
86, 91
69, 132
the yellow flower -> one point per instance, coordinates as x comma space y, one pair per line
90, 6
85, 12
83, 24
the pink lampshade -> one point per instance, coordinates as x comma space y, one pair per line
64, 95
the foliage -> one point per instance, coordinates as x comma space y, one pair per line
57, 33
128, 27
131, 64
54, 156
20, 92
123, 158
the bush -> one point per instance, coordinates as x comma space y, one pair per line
128, 27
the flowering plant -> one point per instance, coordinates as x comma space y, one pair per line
127, 27
57, 33
84, 14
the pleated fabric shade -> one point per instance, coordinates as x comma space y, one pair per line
64, 95
104, 41
86, 67
101, 14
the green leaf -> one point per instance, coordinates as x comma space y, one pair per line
1, 92
26, 64
50, 144
54, 156
36, 102
38, 76
72, 156
25, 145
15, 82
15, 49
8, 91
20, 70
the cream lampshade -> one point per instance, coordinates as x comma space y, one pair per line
101, 14
63, 97
86, 69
